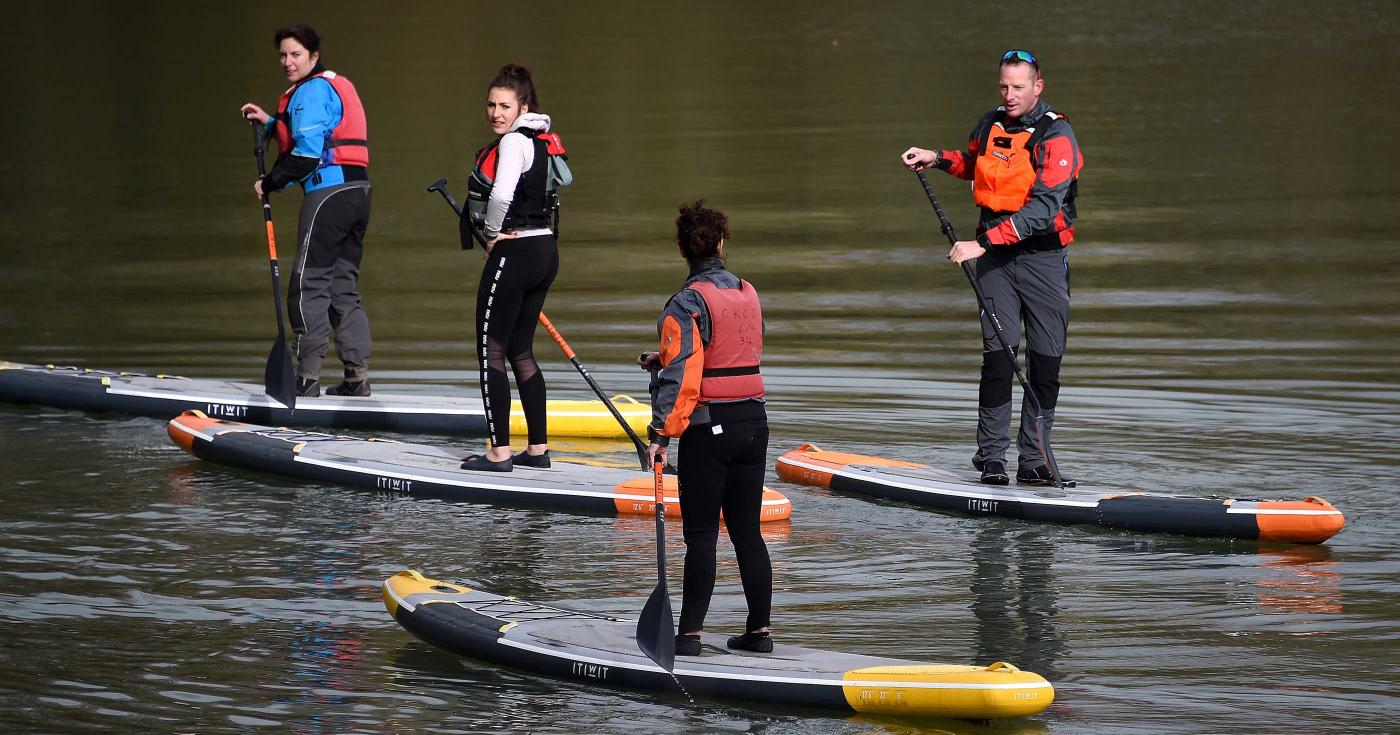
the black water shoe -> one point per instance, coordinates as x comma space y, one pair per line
525, 459
756, 642
687, 645
994, 473
480, 463
1039, 476
356, 388
308, 388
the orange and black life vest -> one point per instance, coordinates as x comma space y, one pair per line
349, 141
735, 349
1005, 171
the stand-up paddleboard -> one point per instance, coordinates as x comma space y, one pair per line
1308, 521
595, 649
163, 396
419, 470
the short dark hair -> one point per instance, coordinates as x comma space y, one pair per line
304, 34
517, 79
1017, 56
700, 229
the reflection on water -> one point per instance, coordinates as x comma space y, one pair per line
1302, 580
1013, 600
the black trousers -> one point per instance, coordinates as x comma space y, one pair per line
717, 472
509, 299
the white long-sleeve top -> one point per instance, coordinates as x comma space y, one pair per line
514, 156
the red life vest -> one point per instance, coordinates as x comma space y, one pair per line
1005, 171
349, 141
736, 342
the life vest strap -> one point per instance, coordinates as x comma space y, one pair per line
729, 372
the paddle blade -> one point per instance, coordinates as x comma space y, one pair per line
279, 379
656, 628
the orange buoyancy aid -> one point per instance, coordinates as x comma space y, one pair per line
735, 349
1005, 171
349, 141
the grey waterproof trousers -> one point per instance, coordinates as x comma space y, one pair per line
1030, 288
323, 295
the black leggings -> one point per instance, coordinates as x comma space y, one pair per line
724, 471
509, 299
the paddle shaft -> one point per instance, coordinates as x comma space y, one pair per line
569, 353
947, 228
439, 186
656, 626
658, 471
279, 363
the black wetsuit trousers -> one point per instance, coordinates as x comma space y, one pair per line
724, 471
509, 299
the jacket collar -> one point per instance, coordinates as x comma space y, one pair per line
1029, 119
705, 265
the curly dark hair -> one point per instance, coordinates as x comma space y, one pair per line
700, 229
517, 79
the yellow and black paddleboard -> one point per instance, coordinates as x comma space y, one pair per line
163, 396
595, 649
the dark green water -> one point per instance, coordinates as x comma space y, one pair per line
1235, 328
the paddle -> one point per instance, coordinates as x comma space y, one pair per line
279, 380
656, 628
440, 186
947, 229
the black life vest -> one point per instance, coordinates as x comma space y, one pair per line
535, 203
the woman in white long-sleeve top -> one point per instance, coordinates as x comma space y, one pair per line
511, 178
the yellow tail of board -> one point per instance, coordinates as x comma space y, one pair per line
588, 418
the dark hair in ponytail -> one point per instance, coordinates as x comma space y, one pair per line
699, 230
304, 35
517, 79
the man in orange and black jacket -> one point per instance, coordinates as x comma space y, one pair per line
1024, 163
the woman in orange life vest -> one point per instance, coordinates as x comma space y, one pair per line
322, 142
706, 389
510, 179
1024, 163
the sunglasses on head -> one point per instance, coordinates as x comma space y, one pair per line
1018, 55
